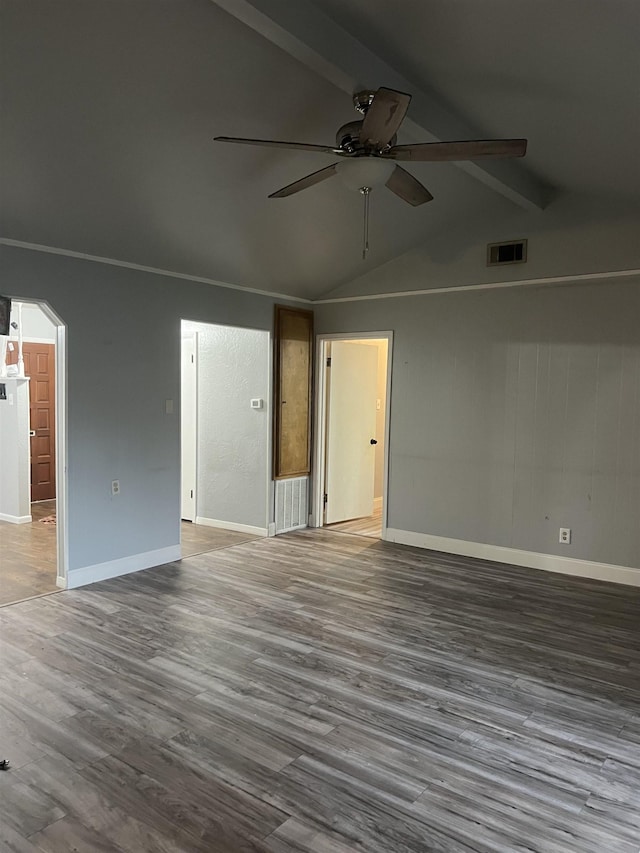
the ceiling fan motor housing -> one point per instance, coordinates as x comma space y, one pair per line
348, 139
363, 100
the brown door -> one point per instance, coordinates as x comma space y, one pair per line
39, 366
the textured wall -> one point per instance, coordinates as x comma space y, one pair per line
513, 413
233, 439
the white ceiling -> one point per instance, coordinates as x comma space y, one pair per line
110, 107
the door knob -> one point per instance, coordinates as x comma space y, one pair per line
32, 432
373, 441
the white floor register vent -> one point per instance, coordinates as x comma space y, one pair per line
292, 509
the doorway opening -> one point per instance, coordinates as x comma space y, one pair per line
32, 454
351, 447
225, 413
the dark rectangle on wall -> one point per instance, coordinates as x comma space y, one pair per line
293, 342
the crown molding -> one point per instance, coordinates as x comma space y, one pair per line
495, 285
401, 294
69, 253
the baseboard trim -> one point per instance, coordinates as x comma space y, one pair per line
232, 525
123, 566
377, 503
16, 519
530, 559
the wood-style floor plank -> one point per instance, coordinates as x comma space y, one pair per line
28, 560
322, 693
370, 525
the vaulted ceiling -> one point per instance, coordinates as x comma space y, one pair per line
109, 109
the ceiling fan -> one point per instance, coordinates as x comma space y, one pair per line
368, 150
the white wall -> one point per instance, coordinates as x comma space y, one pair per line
514, 413
233, 439
36, 326
15, 482
123, 333
378, 487
381, 345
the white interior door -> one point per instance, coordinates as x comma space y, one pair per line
351, 424
188, 415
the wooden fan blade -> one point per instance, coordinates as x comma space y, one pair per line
308, 181
475, 149
407, 187
272, 143
384, 117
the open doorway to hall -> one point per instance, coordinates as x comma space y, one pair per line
225, 436
29, 415
351, 451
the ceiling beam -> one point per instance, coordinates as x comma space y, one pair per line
306, 33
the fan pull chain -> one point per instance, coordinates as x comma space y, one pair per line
365, 233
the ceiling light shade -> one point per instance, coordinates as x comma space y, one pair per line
359, 172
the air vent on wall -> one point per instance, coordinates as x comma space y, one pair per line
292, 511
514, 252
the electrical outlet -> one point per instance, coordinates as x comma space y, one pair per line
565, 536
115, 487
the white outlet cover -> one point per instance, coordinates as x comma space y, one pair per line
257, 403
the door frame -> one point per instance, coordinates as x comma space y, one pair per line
194, 426
61, 443
320, 432
269, 521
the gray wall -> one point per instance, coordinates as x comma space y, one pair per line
574, 236
233, 439
123, 363
513, 413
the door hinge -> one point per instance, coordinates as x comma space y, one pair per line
191, 492
193, 358
329, 362
324, 499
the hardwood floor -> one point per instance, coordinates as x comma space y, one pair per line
198, 538
28, 558
371, 525
323, 693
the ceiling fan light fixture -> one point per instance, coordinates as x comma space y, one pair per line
359, 172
